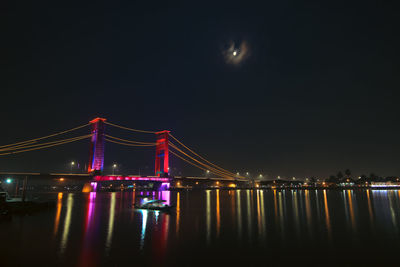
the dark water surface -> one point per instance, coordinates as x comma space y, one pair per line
235, 227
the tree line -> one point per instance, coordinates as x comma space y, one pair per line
346, 176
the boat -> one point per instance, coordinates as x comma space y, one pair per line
145, 196
155, 204
9, 206
4, 211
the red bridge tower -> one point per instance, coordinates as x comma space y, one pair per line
162, 163
96, 160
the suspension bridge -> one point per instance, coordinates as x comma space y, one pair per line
165, 145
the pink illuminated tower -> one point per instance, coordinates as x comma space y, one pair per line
162, 164
96, 160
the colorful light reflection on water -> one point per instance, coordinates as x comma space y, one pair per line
91, 228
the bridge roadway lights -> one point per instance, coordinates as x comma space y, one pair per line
206, 183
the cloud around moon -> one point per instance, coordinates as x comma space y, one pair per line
236, 53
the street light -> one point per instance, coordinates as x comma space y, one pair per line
114, 166
72, 164
9, 181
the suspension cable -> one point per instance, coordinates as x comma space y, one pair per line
216, 166
45, 137
23, 146
129, 129
125, 144
191, 163
214, 170
205, 165
129, 141
56, 144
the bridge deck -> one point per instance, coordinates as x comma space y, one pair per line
129, 178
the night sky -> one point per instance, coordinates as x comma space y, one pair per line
316, 89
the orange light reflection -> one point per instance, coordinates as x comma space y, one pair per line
58, 213
218, 213
327, 219
178, 211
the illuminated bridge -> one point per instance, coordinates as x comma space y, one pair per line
165, 144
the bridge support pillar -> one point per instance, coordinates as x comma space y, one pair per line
162, 160
96, 160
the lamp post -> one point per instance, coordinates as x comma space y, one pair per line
114, 166
8, 188
72, 165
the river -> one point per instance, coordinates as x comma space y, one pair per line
208, 227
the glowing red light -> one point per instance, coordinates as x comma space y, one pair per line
97, 119
133, 178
